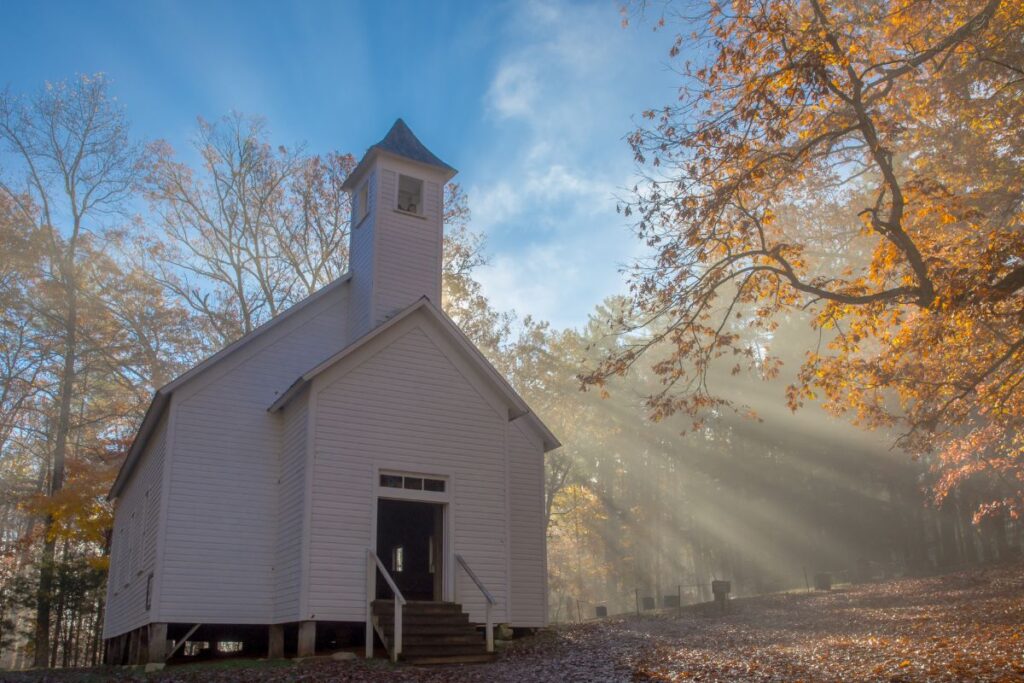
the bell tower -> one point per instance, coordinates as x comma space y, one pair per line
397, 228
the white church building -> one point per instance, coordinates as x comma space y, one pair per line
353, 472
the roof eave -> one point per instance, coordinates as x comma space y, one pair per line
149, 422
356, 176
550, 441
242, 341
284, 399
163, 394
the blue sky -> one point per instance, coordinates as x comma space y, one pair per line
529, 100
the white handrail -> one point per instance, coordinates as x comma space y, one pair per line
373, 563
489, 626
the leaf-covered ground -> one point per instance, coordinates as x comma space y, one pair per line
965, 626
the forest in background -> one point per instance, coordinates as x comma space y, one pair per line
124, 262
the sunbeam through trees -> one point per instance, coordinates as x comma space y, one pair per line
811, 377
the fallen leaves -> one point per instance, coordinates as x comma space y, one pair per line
965, 626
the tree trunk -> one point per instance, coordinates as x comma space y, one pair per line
949, 554
44, 596
97, 631
59, 626
55, 636
968, 532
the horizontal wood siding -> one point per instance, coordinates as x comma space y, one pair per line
407, 407
221, 536
292, 493
408, 250
133, 548
529, 560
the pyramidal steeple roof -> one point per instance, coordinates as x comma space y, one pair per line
401, 142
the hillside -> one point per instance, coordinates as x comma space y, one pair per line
967, 625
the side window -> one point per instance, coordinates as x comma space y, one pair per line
123, 558
129, 564
116, 558
363, 201
410, 194
136, 544
140, 542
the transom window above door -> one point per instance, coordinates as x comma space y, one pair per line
412, 483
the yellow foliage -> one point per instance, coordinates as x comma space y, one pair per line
867, 167
79, 510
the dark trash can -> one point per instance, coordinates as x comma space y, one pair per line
721, 590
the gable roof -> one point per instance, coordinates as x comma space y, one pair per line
401, 142
162, 396
462, 342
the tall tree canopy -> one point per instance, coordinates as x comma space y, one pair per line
759, 208
860, 164
76, 321
252, 230
101, 306
257, 227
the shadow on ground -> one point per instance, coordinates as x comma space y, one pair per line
963, 626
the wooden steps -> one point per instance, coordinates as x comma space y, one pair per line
433, 633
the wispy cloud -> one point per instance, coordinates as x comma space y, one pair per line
560, 101
514, 90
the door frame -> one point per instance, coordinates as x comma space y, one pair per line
443, 499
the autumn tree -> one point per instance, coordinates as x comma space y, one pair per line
462, 296
857, 165
253, 230
258, 227
20, 352
19, 366
72, 167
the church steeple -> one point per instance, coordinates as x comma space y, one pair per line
397, 228
402, 142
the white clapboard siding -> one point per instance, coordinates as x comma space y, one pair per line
408, 248
291, 514
133, 551
405, 407
529, 558
221, 533
244, 516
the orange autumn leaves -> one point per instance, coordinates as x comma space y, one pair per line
856, 167
78, 510
958, 627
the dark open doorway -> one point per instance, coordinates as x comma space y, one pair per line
410, 544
